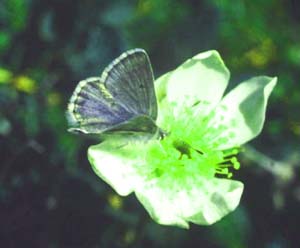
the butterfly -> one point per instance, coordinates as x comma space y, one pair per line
121, 100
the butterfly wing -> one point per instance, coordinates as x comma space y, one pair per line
123, 99
129, 79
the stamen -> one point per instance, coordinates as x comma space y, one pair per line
222, 171
229, 161
230, 153
188, 145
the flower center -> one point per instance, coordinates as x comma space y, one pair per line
189, 148
183, 147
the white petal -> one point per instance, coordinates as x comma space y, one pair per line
115, 162
201, 78
243, 110
203, 203
224, 200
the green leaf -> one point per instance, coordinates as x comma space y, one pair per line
18, 14
203, 77
244, 109
203, 202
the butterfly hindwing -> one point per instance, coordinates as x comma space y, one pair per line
92, 109
123, 99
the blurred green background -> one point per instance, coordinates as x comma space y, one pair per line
49, 196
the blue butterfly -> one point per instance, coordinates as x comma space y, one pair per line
121, 100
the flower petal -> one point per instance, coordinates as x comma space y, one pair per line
243, 110
203, 77
115, 162
224, 200
203, 202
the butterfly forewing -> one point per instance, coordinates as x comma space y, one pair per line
122, 98
129, 79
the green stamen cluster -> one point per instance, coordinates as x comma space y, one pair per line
189, 148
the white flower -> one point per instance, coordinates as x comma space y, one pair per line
175, 177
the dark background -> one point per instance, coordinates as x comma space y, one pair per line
49, 196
